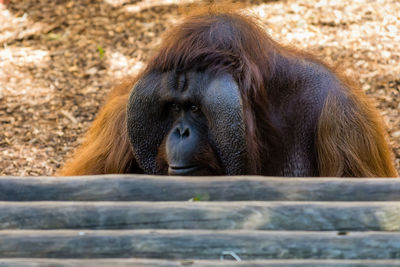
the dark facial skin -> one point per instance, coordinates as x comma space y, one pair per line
187, 124
185, 139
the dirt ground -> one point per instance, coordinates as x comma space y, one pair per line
59, 59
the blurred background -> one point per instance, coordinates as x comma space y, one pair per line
59, 59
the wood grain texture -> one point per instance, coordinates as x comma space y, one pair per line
309, 216
198, 244
163, 188
268, 221
32, 262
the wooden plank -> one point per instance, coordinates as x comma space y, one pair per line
309, 216
32, 262
198, 244
163, 188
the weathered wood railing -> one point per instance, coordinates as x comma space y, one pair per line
172, 221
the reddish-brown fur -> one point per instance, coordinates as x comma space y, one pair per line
352, 143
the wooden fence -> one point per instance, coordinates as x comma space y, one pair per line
137, 220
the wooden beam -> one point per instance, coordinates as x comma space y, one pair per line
32, 262
198, 244
308, 216
163, 188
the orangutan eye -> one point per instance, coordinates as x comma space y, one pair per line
195, 109
175, 107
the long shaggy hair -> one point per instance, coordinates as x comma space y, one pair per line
229, 42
